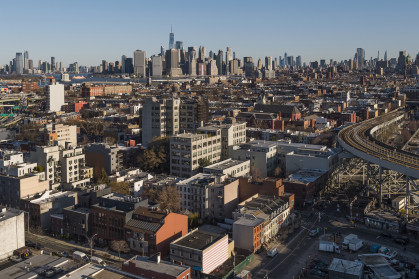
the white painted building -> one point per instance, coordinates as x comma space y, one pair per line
202, 250
61, 134
230, 167
55, 97
62, 165
211, 196
135, 178
262, 155
188, 151
12, 231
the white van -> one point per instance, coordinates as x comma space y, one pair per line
97, 260
80, 256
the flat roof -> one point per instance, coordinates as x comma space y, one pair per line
199, 239
225, 164
9, 213
87, 270
37, 264
346, 267
189, 136
162, 267
305, 175
250, 222
196, 178
386, 271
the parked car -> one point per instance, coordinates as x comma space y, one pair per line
62, 254
386, 234
39, 246
29, 243
314, 232
272, 252
401, 240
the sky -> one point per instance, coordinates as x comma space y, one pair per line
89, 31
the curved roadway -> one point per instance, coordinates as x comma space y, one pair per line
358, 140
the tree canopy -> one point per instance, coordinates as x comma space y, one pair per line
156, 157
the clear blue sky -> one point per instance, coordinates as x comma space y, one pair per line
88, 31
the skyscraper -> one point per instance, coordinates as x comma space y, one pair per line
220, 62
385, 56
123, 58
268, 62
156, 66
360, 54
192, 61
179, 45
298, 61
229, 57
19, 63
52, 63
26, 60
162, 51
171, 39
139, 62
202, 51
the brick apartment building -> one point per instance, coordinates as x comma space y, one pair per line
151, 231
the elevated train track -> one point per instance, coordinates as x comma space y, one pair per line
359, 140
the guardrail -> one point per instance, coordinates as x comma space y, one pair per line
359, 137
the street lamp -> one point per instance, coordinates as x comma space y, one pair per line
91, 245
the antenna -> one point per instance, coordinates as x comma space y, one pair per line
171, 28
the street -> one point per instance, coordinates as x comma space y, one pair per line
54, 245
301, 248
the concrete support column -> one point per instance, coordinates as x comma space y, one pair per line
380, 169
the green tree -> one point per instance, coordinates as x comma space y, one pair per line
203, 163
103, 178
156, 157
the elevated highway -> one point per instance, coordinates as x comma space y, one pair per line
359, 140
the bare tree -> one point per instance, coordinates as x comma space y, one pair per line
278, 171
255, 173
119, 246
169, 199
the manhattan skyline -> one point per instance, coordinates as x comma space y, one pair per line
93, 31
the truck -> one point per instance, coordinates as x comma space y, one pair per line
80, 256
328, 246
352, 242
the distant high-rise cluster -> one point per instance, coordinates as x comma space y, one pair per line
177, 61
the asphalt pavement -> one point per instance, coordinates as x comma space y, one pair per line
295, 254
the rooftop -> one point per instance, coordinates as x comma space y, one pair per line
197, 179
50, 196
161, 267
347, 267
37, 264
225, 164
198, 239
248, 221
305, 176
8, 213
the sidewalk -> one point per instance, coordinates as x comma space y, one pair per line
106, 255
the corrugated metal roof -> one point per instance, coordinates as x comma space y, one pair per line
148, 226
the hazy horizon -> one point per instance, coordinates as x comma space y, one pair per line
89, 32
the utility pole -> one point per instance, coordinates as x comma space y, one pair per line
91, 245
